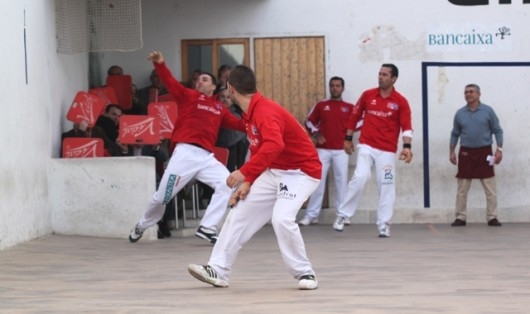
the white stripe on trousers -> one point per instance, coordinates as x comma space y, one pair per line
190, 162
267, 201
385, 172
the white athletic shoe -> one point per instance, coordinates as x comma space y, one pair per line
306, 221
136, 233
307, 282
338, 225
347, 221
384, 231
206, 274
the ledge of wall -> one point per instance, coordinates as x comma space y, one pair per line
102, 197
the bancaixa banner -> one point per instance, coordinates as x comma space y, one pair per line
470, 37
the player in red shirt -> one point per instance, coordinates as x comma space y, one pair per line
200, 116
282, 172
327, 122
386, 113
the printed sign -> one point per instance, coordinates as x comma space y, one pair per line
82, 147
470, 37
86, 107
166, 114
122, 85
139, 129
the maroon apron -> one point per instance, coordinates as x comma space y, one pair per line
472, 163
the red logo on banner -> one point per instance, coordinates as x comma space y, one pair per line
85, 107
82, 147
139, 130
166, 112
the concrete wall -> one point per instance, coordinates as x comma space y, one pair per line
102, 197
360, 35
33, 98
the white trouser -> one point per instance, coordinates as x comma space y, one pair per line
186, 163
338, 159
276, 195
385, 174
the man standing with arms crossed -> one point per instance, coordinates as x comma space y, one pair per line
386, 113
200, 116
474, 124
282, 172
327, 122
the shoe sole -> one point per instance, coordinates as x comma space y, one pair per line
338, 230
134, 240
384, 236
307, 287
198, 274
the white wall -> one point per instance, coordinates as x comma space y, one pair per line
360, 35
32, 115
101, 197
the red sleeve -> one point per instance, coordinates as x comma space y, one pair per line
357, 113
179, 91
405, 115
229, 121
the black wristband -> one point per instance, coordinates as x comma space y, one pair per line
348, 138
407, 145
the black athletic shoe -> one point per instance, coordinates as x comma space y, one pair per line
458, 223
164, 229
494, 223
206, 234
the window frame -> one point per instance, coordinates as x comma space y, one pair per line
214, 43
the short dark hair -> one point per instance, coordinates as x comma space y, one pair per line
337, 78
393, 69
214, 80
109, 70
243, 80
110, 106
223, 68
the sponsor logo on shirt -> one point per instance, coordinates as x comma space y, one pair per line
393, 106
213, 110
284, 192
327, 108
378, 113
